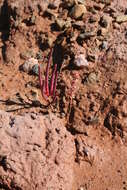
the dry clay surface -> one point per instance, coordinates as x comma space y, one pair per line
36, 152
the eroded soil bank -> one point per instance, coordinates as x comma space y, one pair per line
79, 141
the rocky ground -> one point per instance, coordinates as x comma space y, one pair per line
78, 141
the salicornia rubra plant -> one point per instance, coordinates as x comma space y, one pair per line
48, 87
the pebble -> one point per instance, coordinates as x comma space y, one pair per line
116, 25
36, 103
98, 7
34, 94
86, 35
28, 65
91, 58
107, 2
92, 78
68, 23
50, 41
60, 23
35, 69
54, 4
81, 61
32, 19
78, 11
81, 1
104, 45
98, 43
92, 10
69, 3
122, 18
105, 21
27, 54
92, 19
102, 31
79, 24
39, 55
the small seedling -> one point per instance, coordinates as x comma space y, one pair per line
48, 87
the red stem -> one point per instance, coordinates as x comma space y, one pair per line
53, 79
47, 73
55, 83
54, 88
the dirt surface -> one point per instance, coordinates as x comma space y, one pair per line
34, 152
90, 49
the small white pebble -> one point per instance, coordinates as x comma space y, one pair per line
81, 61
27, 66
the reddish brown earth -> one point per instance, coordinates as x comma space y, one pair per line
79, 142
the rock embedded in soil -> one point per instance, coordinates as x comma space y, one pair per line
86, 35
27, 54
39, 55
98, 6
29, 64
79, 24
92, 19
69, 3
54, 4
102, 32
116, 25
34, 69
122, 18
32, 19
104, 45
91, 57
78, 11
92, 78
107, 2
81, 1
105, 21
81, 61
60, 23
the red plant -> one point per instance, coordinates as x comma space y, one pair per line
48, 90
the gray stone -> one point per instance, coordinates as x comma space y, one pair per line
35, 69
